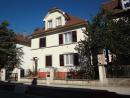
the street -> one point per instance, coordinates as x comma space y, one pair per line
9, 94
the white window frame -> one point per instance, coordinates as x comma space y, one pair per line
49, 24
67, 38
58, 21
70, 58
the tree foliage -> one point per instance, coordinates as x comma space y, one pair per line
105, 31
9, 53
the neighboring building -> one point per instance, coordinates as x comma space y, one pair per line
118, 7
54, 45
24, 43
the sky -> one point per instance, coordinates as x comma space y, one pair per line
26, 15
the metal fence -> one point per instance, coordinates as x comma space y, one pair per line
118, 71
12, 76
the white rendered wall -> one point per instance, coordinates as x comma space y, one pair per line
53, 48
26, 59
53, 40
53, 17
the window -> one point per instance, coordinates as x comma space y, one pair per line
49, 24
58, 21
49, 60
42, 42
68, 59
67, 38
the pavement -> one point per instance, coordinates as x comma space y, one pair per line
124, 90
19, 90
116, 89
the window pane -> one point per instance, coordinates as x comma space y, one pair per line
67, 37
50, 24
67, 59
58, 21
71, 59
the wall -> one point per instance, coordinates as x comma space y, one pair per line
53, 17
26, 59
53, 48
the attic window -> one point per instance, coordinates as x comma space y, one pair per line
58, 21
49, 24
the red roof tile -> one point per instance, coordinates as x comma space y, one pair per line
111, 5
21, 39
71, 21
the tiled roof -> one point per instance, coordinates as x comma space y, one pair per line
113, 4
70, 21
21, 39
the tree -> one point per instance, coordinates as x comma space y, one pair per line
84, 50
118, 38
88, 49
9, 53
106, 31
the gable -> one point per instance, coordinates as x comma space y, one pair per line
52, 16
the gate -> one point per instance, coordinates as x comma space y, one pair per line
118, 71
11, 76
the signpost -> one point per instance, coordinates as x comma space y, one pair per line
125, 4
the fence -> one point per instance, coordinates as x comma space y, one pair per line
118, 71
12, 76
74, 74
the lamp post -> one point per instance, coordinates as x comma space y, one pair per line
35, 59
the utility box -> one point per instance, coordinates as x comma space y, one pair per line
3, 74
50, 76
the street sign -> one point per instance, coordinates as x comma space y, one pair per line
125, 4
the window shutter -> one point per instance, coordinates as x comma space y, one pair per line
76, 59
60, 38
74, 36
48, 60
62, 60
42, 42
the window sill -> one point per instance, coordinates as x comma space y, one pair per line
68, 66
68, 43
48, 66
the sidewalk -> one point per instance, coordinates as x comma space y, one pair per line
42, 90
125, 90
118, 90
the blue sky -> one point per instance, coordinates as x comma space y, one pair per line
26, 15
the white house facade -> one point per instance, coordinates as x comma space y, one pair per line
54, 45
26, 59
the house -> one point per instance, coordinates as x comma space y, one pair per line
118, 7
24, 43
54, 45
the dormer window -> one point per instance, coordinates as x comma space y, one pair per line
49, 24
58, 21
